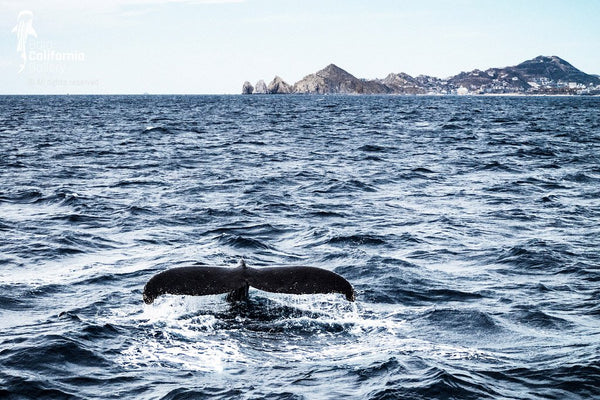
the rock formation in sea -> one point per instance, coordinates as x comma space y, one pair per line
260, 87
247, 88
279, 86
541, 75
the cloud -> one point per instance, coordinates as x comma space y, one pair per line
105, 5
191, 2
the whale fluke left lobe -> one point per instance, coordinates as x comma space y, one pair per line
193, 281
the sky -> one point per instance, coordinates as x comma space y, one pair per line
213, 46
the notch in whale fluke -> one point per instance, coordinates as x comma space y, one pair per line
199, 281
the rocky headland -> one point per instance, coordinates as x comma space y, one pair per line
539, 76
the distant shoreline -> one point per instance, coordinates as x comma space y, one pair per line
542, 75
391, 95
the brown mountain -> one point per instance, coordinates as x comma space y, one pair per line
333, 79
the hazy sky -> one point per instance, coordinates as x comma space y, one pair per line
178, 46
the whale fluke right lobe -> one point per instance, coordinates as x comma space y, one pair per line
299, 280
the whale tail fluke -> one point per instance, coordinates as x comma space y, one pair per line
199, 281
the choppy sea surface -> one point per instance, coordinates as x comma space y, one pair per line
469, 227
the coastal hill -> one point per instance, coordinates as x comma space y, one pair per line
541, 75
333, 79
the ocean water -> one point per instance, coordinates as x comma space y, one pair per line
469, 227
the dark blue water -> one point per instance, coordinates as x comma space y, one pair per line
470, 228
